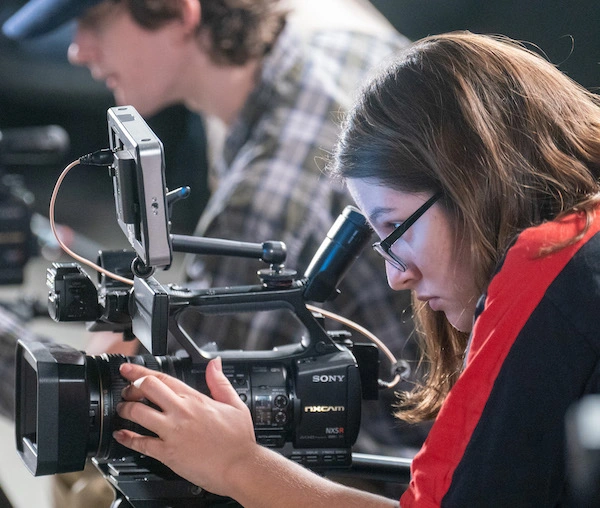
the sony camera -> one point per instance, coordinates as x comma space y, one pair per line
305, 398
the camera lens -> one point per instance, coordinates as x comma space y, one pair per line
105, 386
66, 404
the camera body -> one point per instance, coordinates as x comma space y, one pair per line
306, 406
304, 398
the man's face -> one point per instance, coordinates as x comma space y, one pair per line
140, 66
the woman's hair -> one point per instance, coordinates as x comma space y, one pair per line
238, 30
508, 139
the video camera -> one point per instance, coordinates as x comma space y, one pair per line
305, 398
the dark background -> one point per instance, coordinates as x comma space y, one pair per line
39, 87
567, 31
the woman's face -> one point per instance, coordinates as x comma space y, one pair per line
439, 266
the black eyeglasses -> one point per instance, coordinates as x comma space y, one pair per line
384, 247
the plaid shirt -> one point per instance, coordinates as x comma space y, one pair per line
271, 187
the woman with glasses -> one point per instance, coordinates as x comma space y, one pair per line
477, 163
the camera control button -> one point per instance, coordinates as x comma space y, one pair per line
280, 401
280, 417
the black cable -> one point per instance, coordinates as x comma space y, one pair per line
102, 157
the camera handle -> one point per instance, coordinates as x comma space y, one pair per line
156, 308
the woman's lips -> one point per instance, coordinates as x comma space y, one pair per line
433, 301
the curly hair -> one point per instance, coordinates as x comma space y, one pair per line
238, 30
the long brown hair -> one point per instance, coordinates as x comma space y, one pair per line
508, 140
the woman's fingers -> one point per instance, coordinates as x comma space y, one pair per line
220, 387
144, 415
157, 387
189, 425
149, 446
166, 393
171, 396
133, 372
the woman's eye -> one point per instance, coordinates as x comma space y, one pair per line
394, 225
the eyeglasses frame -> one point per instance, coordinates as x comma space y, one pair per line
384, 247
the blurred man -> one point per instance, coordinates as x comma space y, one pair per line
272, 81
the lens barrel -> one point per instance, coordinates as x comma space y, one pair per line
105, 386
66, 405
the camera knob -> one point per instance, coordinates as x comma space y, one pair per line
279, 278
280, 418
280, 401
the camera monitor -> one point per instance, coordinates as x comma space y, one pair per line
139, 186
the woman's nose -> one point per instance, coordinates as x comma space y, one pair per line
399, 280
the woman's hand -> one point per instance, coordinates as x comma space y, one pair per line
210, 442
200, 438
